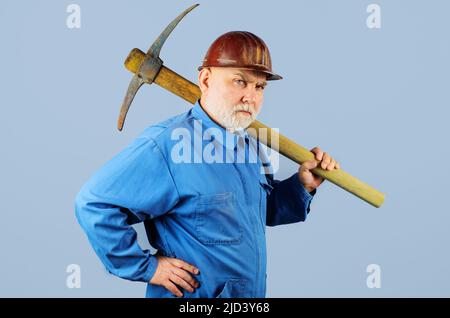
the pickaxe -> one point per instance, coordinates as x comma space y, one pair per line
149, 68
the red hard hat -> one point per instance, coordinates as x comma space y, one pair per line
240, 49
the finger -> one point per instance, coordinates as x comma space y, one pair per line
331, 165
308, 165
186, 277
318, 152
181, 282
182, 264
338, 166
172, 288
325, 161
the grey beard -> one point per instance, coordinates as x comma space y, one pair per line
231, 121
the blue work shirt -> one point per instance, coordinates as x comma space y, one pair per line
210, 214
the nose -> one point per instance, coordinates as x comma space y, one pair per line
250, 95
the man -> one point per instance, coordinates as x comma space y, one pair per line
206, 218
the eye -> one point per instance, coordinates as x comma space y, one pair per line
260, 87
240, 82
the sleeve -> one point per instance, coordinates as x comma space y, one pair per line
132, 187
288, 202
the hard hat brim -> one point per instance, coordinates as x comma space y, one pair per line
270, 76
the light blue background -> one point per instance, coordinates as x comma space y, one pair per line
376, 99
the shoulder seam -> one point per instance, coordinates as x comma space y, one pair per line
164, 128
167, 164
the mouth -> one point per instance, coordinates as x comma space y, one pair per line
244, 112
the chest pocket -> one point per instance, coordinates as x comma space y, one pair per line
217, 219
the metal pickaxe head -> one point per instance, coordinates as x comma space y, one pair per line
149, 68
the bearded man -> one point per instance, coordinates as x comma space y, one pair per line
206, 219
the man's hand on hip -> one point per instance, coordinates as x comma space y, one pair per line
309, 180
171, 271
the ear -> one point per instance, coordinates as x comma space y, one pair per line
204, 77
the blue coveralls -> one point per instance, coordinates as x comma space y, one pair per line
211, 215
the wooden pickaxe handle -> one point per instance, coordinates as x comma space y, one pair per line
187, 90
